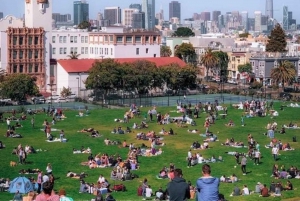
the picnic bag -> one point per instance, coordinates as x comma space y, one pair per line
119, 187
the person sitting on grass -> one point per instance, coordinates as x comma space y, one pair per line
230, 123
49, 136
171, 132
288, 186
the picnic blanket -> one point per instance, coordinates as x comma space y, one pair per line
57, 140
52, 129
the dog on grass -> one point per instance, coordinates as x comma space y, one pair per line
13, 164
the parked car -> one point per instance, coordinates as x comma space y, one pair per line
72, 96
61, 100
38, 100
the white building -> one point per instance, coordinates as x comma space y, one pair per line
127, 16
65, 42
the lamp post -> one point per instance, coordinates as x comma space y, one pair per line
51, 86
77, 86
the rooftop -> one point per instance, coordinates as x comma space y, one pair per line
84, 65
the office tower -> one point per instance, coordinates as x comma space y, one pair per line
148, 7
1, 15
269, 8
221, 24
205, 16
245, 22
136, 6
257, 17
215, 15
113, 15
81, 11
160, 15
285, 21
61, 17
251, 23
196, 16
138, 20
127, 16
175, 10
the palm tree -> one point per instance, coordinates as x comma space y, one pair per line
285, 72
165, 51
73, 55
209, 60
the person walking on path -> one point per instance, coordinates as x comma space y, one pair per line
207, 186
243, 164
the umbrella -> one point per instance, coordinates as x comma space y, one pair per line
21, 184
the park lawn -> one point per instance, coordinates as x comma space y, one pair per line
62, 159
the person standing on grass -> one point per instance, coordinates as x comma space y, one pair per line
275, 152
32, 122
178, 189
256, 157
189, 159
207, 186
243, 164
39, 181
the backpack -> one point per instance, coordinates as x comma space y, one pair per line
119, 187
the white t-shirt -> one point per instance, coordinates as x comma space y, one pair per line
101, 180
275, 150
257, 154
148, 192
246, 191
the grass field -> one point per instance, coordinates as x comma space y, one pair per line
62, 159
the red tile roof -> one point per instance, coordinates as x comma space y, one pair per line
84, 65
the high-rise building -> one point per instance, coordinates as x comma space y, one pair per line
61, 17
285, 20
136, 6
138, 20
251, 22
269, 8
215, 15
127, 16
221, 24
245, 22
81, 11
205, 16
113, 15
1, 15
257, 17
175, 10
148, 7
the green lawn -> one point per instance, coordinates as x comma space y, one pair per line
61, 157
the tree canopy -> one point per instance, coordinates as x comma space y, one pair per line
277, 40
73, 55
65, 92
18, 86
84, 25
183, 32
244, 35
209, 60
285, 72
245, 68
165, 51
186, 52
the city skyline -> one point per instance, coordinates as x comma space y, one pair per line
186, 9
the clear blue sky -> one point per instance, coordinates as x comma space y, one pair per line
188, 7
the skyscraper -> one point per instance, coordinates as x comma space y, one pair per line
138, 20
61, 17
205, 16
257, 17
269, 8
215, 15
285, 20
113, 15
81, 11
148, 7
245, 22
136, 6
175, 10
127, 16
1, 15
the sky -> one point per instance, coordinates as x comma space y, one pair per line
188, 7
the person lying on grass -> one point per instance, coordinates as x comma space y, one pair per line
86, 130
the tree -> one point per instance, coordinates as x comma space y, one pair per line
285, 72
244, 35
18, 86
84, 25
186, 52
209, 60
165, 51
277, 41
183, 32
65, 92
73, 55
245, 68
223, 61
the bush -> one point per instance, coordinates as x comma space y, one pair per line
256, 85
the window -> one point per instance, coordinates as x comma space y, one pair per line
65, 39
147, 39
147, 50
14, 54
21, 41
15, 67
36, 54
82, 39
54, 50
128, 39
30, 54
30, 40
106, 51
86, 39
233, 58
86, 50
137, 39
21, 54
36, 68
53, 39
82, 50
72, 50
137, 51
154, 39
61, 50
75, 50
65, 50
111, 51
119, 39
30, 68
21, 69
60, 39
71, 39
14, 40
36, 40
111, 38
75, 39
106, 38
154, 55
